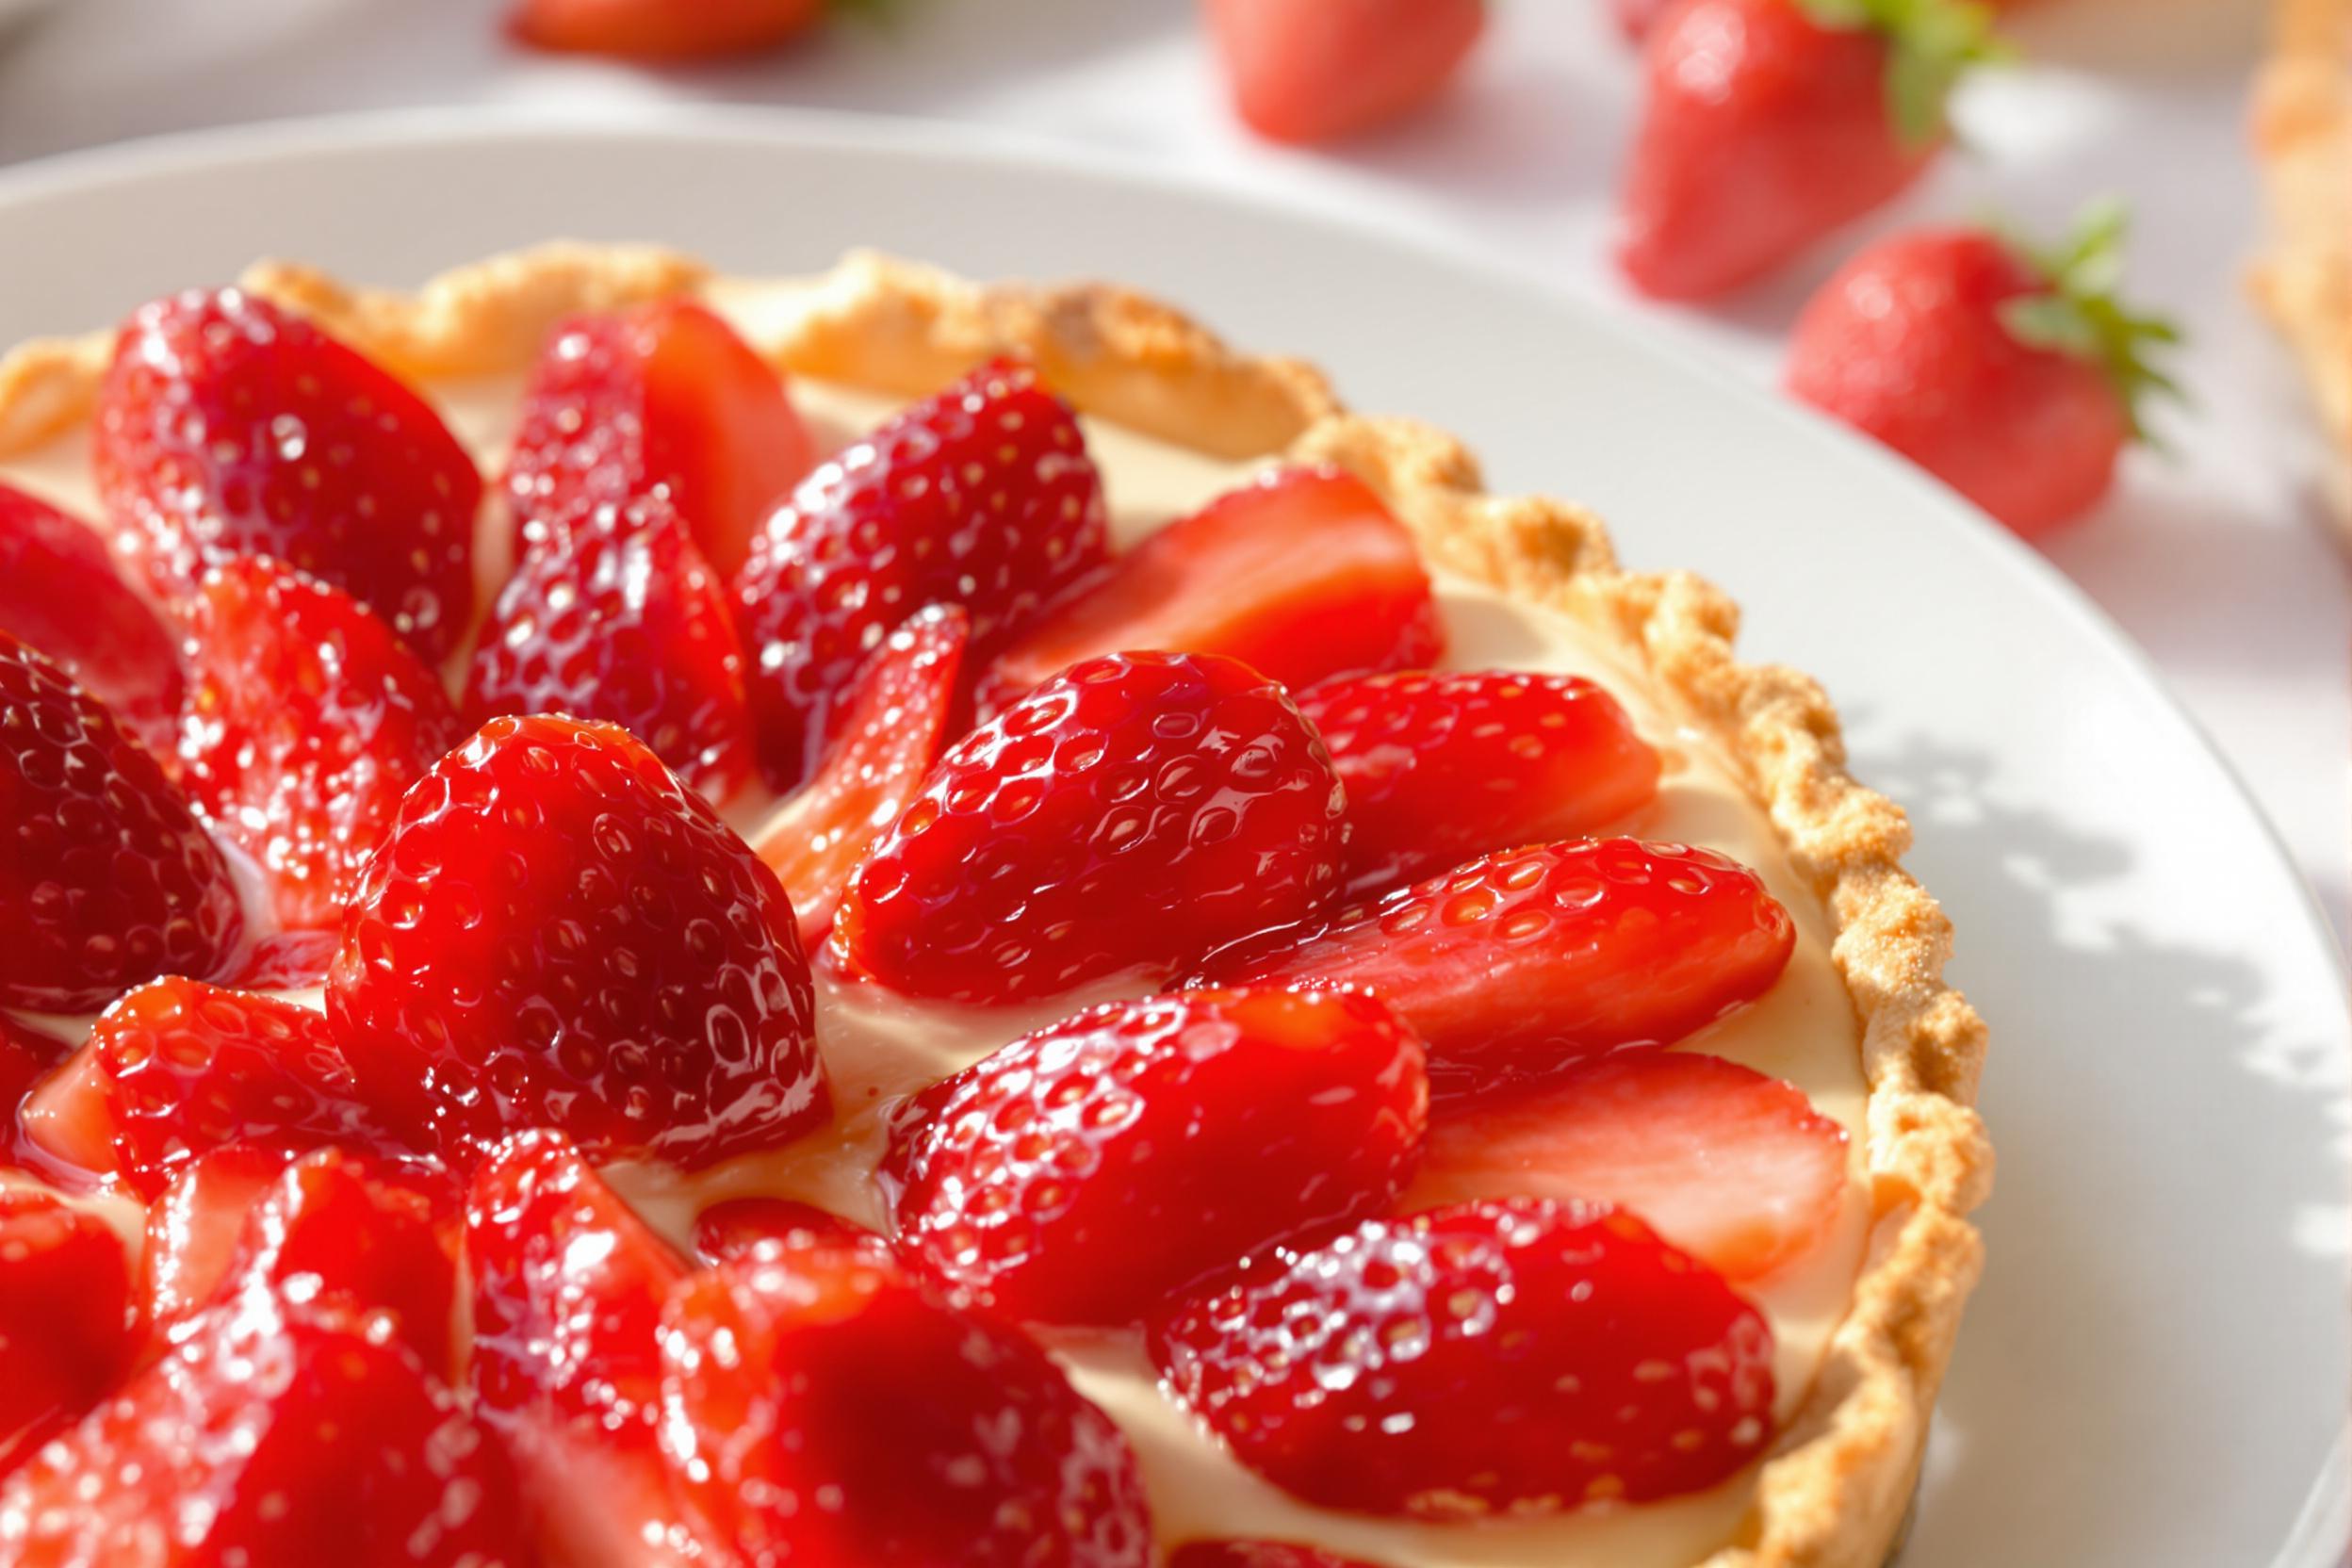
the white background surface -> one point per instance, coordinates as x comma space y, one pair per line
2214, 560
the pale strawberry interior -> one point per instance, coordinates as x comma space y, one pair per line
877, 1050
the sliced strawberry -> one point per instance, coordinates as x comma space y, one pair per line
555, 932
65, 1124
662, 29
740, 1225
568, 1285
65, 1318
229, 427
376, 1236
275, 1434
58, 592
106, 878
981, 494
615, 617
893, 726
927, 1435
1301, 574
1442, 767
1519, 965
193, 1228
185, 1066
1735, 1169
1515, 1356
307, 720
664, 395
24, 1054
1127, 816
1257, 1554
1308, 70
1084, 1173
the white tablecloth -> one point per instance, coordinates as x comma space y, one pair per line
2213, 558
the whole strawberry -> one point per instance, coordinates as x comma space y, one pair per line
1124, 818
981, 494
555, 932
2011, 374
228, 426
106, 878
1768, 123
1321, 70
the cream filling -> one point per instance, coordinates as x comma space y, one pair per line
877, 1049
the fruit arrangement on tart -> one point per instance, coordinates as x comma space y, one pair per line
649, 918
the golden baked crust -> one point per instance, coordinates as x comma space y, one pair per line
1834, 1493
2303, 138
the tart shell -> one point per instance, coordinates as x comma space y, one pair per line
1835, 1491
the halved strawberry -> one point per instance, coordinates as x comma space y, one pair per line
556, 932
980, 496
1301, 574
307, 720
185, 1066
1127, 816
375, 1236
65, 1318
228, 426
663, 394
1440, 767
662, 29
1519, 965
193, 1228
65, 1124
741, 1225
58, 592
568, 1285
1515, 1356
1735, 1169
106, 878
1083, 1172
893, 725
275, 1434
924, 1435
616, 617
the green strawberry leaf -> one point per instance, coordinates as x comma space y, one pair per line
1930, 45
2082, 316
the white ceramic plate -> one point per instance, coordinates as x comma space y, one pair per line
2155, 1369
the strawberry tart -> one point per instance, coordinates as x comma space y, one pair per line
649, 918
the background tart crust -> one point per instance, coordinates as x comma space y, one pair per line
1834, 1493
2303, 138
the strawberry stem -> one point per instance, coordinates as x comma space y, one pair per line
1931, 44
2080, 314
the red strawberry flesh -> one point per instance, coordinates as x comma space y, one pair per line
926, 1435
1124, 818
1301, 574
556, 932
616, 617
1083, 1172
1521, 964
59, 593
894, 725
307, 720
1511, 1357
185, 1066
65, 1318
1441, 767
106, 878
1734, 1168
666, 395
229, 425
981, 496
